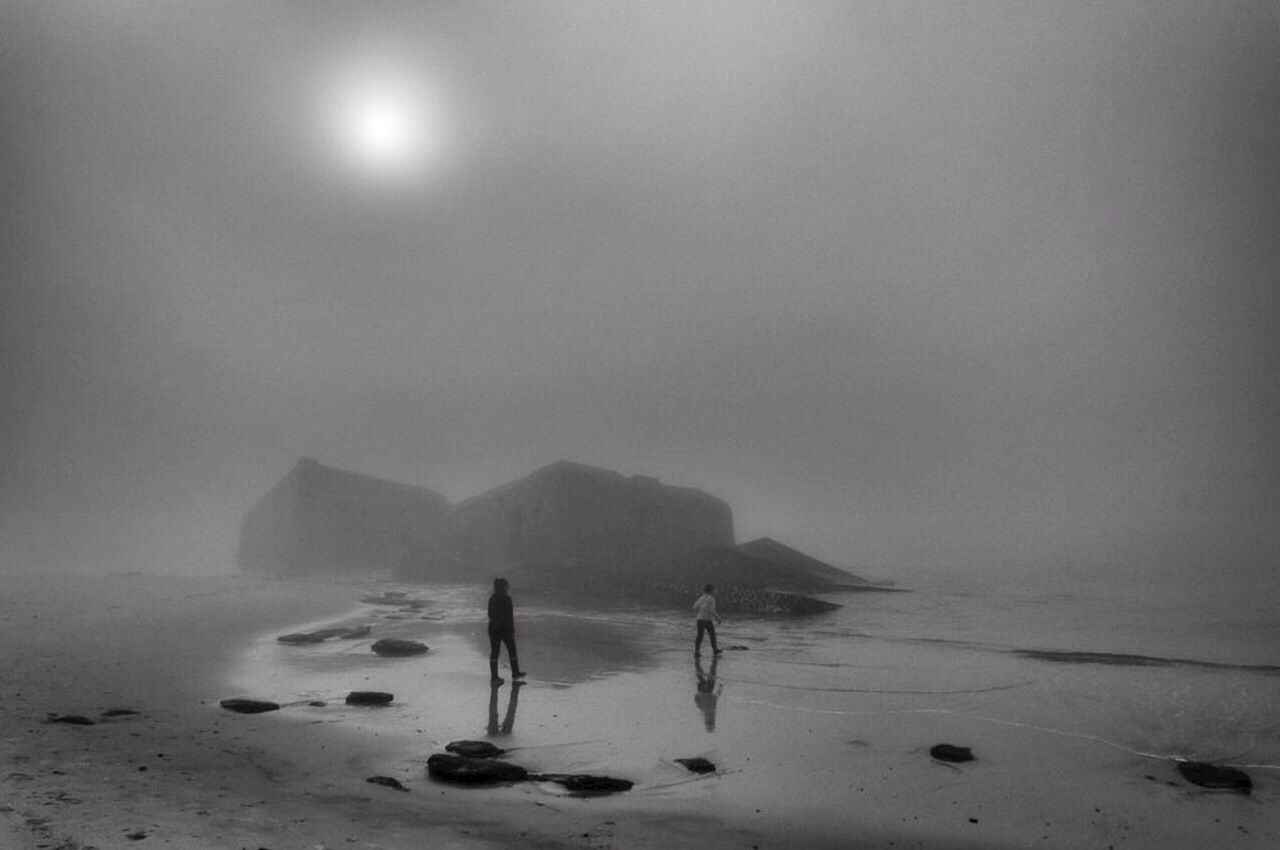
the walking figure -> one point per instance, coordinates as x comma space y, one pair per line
705, 610
502, 629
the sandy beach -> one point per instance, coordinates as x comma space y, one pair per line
811, 750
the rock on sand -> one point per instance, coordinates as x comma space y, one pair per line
393, 647
249, 706
472, 771
474, 749
1213, 776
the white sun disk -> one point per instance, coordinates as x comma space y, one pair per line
385, 127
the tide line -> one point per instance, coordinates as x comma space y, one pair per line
994, 720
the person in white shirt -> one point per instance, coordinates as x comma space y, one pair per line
705, 611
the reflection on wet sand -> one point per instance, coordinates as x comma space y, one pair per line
512, 701
708, 692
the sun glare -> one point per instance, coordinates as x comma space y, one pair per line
387, 122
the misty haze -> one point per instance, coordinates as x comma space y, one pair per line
937, 339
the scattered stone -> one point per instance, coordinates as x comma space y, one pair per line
317, 703
697, 765
586, 783
71, 719
369, 698
1214, 776
474, 749
951, 753
388, 781
249, 706
117, 712
136, 836
393, 647
472, 771
301, 637
739, 647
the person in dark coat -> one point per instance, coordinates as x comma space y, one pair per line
502, 629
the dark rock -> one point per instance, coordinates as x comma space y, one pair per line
1214, 776
472, 771
802, 570
393, 647
249, 706
388, 781
317, 703
474, 749
324, 634
136, 836
950, 752
71, 719
586, 783
369, 698
302, 637
697, 765
738, 647
117, 712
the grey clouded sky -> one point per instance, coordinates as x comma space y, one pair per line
912, 285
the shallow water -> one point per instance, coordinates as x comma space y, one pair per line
831, 706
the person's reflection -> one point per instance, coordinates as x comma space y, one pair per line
510, 719
708, 692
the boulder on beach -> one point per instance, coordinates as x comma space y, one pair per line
325, 634
369, 698
473, 771
388, 781
697, 764
951, 753
71, 720
394, 647
302, 637
1215, 776
586, 783
249, 706
474, 749
117, 712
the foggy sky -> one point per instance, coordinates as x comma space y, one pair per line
948, 285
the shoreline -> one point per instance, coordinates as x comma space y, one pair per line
801, 761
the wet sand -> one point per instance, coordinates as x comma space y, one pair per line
804, 760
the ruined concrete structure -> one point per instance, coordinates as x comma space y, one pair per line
318, 520
567, 528
584, 517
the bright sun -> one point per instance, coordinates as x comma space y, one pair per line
386, 122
